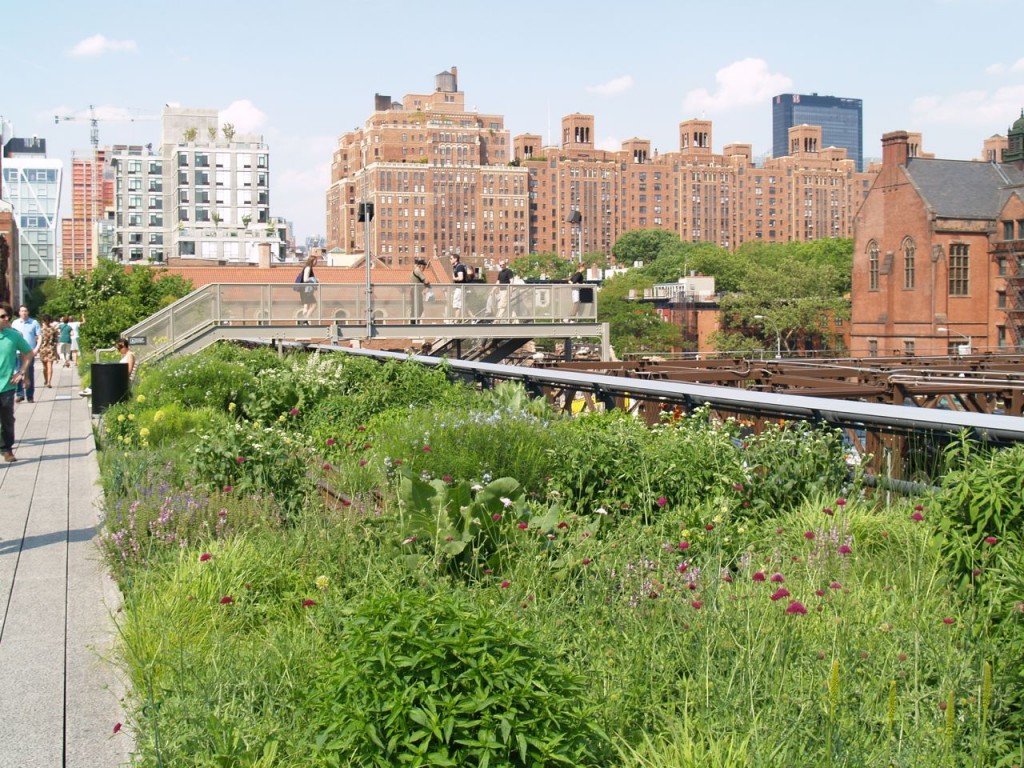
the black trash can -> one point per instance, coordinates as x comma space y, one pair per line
109, 385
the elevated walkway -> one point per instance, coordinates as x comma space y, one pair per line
495, 318
59, 696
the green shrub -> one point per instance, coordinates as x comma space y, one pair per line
133, 424
196, 381
422, 679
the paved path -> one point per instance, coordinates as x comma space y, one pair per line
59, 698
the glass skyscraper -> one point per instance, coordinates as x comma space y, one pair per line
841, 121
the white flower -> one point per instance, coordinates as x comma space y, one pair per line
600, 511
478, 487
506, 502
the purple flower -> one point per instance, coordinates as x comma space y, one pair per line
331, 442
780, 593
506, 584
796, 607
844, 549
759, 576
777, 578
204, 557
662, 501
917, 517
835, 585
293, 412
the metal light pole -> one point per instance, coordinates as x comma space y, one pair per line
366, 248
778, 335
965, 349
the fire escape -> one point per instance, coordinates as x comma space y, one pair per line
1011, 253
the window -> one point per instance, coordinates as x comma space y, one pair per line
187, 248
156, 167
223, 178
261, 161
873, 347
1001, 263
909, 250
202, 178
1020, 229
156, 238
135, 185
959, 283
1001, 299
134, 201
183, 159
156, 219
872, 266
156, 185
134, 219
908, 346
134, 166
1007, 230
202, 214
183, 196
202, 160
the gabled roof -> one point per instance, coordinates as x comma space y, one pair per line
963, 188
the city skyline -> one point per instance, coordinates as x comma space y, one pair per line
303, 79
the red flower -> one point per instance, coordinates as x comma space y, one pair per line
346, 503
796, 607
228, 489
563, 525
362, 462
844, 549
331, 441
117, 727
240, 459
204, 557
737, 487
919, 507
683, 567
759, 576
662, 501
917, 517
684, 545
991, 540
709, 527
948, 620
777, 578
840, 502
586, 561
360, 429
828, 511
506, 584
293, 412
307, 603
227, 600
835, 585
522, 526
780, 593
367, 446
809, 535
496, 517
780, 531
426, 449
902, 657
697, 604
819, 592
327, 467
976, 572
446, 479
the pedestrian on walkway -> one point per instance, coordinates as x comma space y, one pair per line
12, 372
31, 332
64, 340
421, 291
47, 350
76, 327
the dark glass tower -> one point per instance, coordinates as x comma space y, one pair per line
841, 121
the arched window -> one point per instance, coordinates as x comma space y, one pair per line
872, 266
909, 250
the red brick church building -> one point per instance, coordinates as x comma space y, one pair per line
938, 261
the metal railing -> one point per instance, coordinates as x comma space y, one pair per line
284, 304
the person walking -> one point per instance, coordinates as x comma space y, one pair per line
76, 328
577, 280
31, 332
13, 371
501, 290
421, 291
47, 350
460, 276
64, 340
307, 294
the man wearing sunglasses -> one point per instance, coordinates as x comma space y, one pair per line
12, 374
31, 331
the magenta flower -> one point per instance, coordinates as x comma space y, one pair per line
828, 511
683, 545
759, 576
709, 527
426, 449
844, 549
697, 604
506, 584
117, 727
307, 603
227, 600
331, 442
840, 502
522, 526
446, 479
796, 607
683, 567
293, 412
778, 578
562, 525
991, 540
948, 620
586, 561
917, 517
780, 593
362, 462
240, 459
360, 428
737, 487
835, 585
662, 501
496, 517
976, 572
809, 535
368, 446
228, 489
919, 507
819, 592
204, 557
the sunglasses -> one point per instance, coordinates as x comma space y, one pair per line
5, 317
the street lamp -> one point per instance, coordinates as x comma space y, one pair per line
778, 336
964, 349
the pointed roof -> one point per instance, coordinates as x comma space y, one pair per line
963, 188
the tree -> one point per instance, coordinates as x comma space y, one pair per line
634, 326
534, 265
644, 245
229, 131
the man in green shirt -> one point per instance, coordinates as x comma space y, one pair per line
11, 374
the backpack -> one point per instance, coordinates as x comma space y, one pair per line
299, 281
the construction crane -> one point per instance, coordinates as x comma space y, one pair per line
94, 122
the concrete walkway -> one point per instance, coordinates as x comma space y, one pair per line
59, 697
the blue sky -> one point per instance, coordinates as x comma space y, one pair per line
301, 73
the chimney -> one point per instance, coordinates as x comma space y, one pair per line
895, 149
263, 259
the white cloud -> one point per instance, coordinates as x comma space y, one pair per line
995, 69
972, 108
244, 115
740, 84
613, 87
1001, 69
609, 144
1017, 66
97, 45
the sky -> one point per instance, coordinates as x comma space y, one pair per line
302, 73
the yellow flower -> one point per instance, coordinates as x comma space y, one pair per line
140, 399
120, 417
281, 418
158, 415
686, 532
144, 432
231, 407
322, 582
131, 417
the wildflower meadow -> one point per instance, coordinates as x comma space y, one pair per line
329, 561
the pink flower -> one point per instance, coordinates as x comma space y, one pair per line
835, 585
495, 517
991, 540
796, 607
227, 600
426, 449
780, 593
346, 502
697, 604
819, 592
506, 584
709, 527
759, 576
844, 549
919, 507
809, 535
522, 526
367, 446
737, 487
446, 479
683, 545
840, 502
662, 501
682, 567
228, 489
777, 578
327, 467
307, 603
917, 517
362, 462
976, 572
293, 412
948, 620
331, 442
117, 727
586, 561
240, 459
828, 511
204, 557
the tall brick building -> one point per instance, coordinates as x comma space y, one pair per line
939, 253
444, 179
92, 192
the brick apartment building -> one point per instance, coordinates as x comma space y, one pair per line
939, 253
92, 193
443, 179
